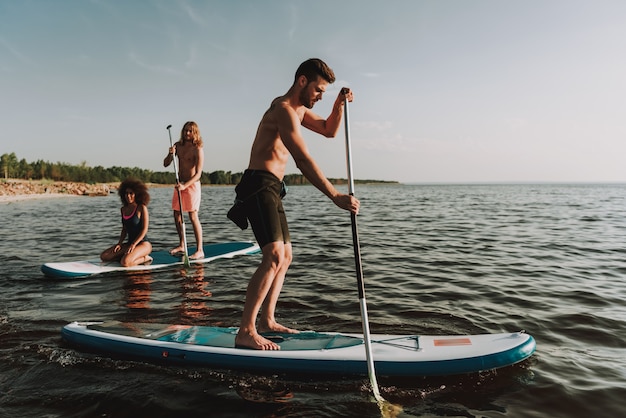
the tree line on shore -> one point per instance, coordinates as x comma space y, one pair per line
15, 168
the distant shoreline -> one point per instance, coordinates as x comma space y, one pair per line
15, 189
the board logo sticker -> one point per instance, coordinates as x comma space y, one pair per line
452, 342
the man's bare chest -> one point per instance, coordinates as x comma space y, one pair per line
187, 153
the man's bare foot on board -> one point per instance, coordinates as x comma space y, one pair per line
198, 255
276, 327
176, 250
254, 341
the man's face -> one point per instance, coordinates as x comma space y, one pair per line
312, 92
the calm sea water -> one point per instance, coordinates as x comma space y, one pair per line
441, 259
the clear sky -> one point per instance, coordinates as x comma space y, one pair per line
445, 90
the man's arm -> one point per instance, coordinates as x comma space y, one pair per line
289, 131
170, 155
328, 127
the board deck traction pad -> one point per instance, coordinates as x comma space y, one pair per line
225, 337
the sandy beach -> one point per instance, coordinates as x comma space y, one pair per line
13, 190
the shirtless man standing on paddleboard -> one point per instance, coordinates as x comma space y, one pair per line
190, 152
260, 191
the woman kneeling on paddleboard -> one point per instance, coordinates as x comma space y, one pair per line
135, 219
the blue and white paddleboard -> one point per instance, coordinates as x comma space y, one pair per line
306, 352
75, 269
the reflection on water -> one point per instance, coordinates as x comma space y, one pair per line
195, 308
137, 290
193, 304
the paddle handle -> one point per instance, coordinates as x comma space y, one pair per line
173, 156
346, 116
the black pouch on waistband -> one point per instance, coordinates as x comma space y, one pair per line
237, 214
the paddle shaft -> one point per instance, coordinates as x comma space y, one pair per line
358, 264
180, 203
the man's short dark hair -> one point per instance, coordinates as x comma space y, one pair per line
314, 67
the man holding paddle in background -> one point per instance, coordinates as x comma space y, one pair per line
260, 191
188, 191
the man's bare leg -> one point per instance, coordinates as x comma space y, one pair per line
178, 221
197, 231
260, 284
267, 321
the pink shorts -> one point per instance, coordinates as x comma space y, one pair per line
190, 196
